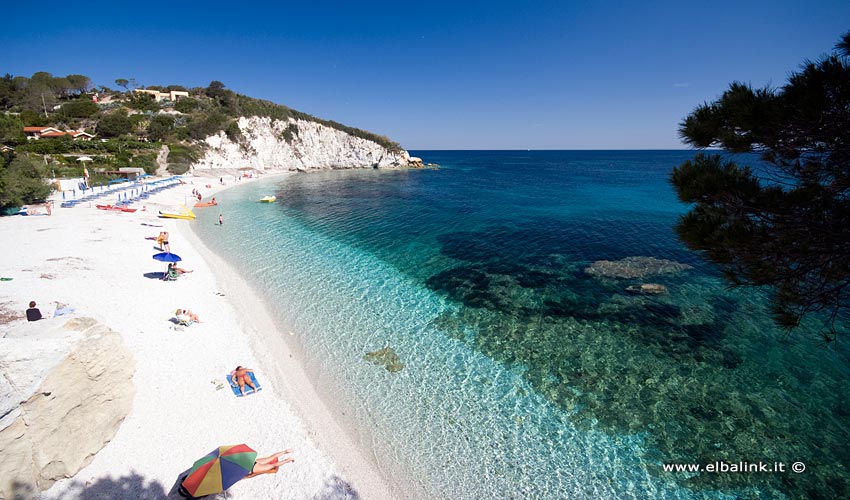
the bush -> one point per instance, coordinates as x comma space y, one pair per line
114, 124
22, 182
180, 158
33, 119
145, 161
203, 127
233, 132
11, 130
80, 108
186, 105
141, 102
160, 126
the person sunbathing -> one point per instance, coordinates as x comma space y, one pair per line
186, 316
270, 464
241, 377
172, 267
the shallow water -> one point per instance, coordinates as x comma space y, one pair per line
524, 376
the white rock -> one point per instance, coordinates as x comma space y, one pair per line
75, 395
313, 147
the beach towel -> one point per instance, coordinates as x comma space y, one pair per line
63, 311
248, 390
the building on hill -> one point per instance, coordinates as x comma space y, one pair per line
172, 95
53, 133
36, 132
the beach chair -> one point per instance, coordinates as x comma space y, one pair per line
170, 275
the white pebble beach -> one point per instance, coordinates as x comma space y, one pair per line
99, 263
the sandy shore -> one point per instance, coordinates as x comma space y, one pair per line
100, 263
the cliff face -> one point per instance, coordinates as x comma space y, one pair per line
268, 144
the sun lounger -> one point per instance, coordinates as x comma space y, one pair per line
248, 390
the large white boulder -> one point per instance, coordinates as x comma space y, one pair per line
66, 389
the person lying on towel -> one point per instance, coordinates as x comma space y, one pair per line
240, 376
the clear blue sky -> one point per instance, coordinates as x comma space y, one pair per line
443, 75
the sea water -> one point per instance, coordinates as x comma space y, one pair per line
518, 373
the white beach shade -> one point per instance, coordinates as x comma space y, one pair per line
84, 158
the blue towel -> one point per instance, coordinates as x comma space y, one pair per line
248, 390
63, 311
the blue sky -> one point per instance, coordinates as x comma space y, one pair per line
443, 75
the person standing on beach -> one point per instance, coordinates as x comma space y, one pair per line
220, 219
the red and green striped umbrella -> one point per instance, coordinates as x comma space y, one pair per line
220, 470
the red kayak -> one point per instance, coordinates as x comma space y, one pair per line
116, 208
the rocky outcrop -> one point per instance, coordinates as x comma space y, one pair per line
65, 393
634, 267
301, 145
162, 161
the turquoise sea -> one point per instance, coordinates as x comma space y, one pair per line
525, 376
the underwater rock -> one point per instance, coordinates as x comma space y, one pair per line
635, 267
387, 357
647, 288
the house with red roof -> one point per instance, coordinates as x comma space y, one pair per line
53, 133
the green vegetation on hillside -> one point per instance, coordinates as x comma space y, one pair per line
129, 126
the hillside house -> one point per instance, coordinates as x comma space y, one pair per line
172, 95
53, 133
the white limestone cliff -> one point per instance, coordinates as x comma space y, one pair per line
267, 146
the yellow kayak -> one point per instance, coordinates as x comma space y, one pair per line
268, 199
184, 213
170, 215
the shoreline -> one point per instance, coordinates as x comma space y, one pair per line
99, 263
291, 377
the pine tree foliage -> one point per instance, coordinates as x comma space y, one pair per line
788, 228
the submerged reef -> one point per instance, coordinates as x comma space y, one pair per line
635, 267
386, 357
681, 362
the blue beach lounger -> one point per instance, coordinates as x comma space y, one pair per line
235, 387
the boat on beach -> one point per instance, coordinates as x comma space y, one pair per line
267, 199
206, 204
182, 213
116, 208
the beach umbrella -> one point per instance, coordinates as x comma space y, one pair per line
219, 470
84, 158
167, 257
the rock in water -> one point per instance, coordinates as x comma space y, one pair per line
648, 288
635, 267
387, 357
